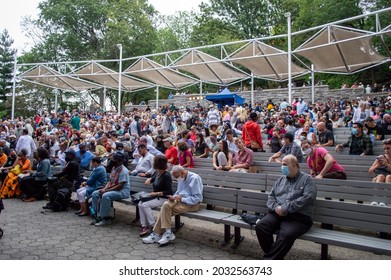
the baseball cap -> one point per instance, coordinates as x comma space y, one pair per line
118, 156
169, 139
70, 152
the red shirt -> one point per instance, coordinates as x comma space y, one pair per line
170, 153
251, 131
317, 162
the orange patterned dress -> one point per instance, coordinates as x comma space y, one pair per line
10, 186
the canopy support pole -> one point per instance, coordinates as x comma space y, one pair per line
157, 97
14, 88
119, 79
200, 87
55, 100
312, 83
288, 15
104, 99
252, 89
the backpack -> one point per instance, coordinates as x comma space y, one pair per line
62, 200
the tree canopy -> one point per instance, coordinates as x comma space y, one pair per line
69, 30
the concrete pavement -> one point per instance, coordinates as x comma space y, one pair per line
31, 233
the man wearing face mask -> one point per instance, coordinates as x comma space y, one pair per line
128, 145
291, 204
289, 147
186, 199
321, 163
358, 143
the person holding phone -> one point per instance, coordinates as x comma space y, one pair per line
381, 167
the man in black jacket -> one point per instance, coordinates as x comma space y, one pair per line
66, 177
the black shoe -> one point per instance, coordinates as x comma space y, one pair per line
47, 206
83, 214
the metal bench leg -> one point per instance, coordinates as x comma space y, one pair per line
178, 223
324, 254
238, 238
137, 216
227, 235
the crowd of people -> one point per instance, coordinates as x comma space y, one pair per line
148, 143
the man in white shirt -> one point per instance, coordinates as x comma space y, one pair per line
26, 142
144, 166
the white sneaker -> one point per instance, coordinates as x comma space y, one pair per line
374, 203
382, 204
103, 223
167, 237
152, 238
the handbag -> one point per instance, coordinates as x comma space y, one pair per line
16, 170
251, 219
141, 196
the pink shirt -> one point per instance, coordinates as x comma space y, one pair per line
317, 162
182, 159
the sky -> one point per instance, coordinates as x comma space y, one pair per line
14, 10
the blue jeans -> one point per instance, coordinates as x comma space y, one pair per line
103, 202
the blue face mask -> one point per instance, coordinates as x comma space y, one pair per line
354, 131
285, 170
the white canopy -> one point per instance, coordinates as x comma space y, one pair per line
46, 76
158, 74
208, 68
335, 49
106, 77
265, 61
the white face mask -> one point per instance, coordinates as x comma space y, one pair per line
307, 151
180, 179
283, 142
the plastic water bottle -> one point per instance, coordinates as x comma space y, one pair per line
92, 211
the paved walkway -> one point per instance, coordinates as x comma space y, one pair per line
33, 233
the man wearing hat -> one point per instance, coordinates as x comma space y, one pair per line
120, 148
67, 177
84, 156
117, 188
289, 147
171, 152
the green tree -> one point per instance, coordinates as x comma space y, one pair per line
6, 67
88, 29
174, 31
245, 18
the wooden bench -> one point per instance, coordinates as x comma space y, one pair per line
357, 172
221, 190
350, 217
249, 195
253, 199
223, 199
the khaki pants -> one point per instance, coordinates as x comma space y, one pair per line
169, 209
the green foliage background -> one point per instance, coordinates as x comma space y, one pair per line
74, 30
